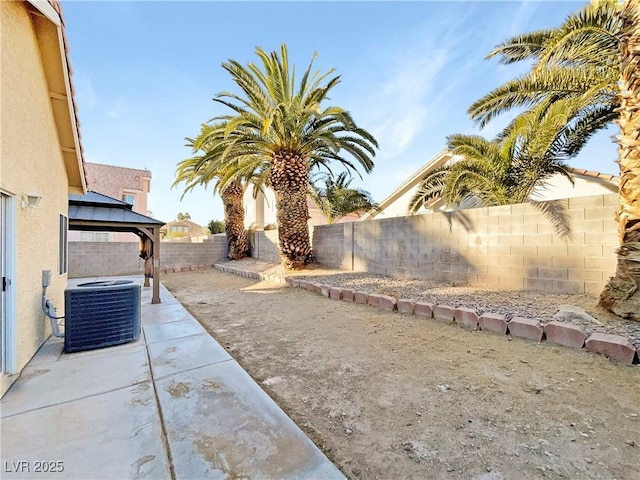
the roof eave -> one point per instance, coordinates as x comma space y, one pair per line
411, 182
58, 74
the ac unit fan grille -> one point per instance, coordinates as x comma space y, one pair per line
101, 316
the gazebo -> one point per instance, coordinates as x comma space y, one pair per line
95, 212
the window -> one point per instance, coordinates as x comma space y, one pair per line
63, 226
129, 198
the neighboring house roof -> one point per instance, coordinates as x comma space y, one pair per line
591, 173
608, 181
59, 74
316, 217
183, 223
439, 160
95, 208
111, 180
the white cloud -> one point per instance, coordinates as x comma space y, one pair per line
400, 174
84, 92
400, 106
520, 21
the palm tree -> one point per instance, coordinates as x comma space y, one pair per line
281, 132
510, 168
199, 170
336, 200
577, 59
622, 293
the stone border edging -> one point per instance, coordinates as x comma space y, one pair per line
616, 348
184, 268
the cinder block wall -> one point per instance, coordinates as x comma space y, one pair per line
213, 249
511, 247
333, 241
265, 246
93, 259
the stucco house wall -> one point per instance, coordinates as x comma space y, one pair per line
259, 211
32, 160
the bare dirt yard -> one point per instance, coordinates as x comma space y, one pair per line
391, 396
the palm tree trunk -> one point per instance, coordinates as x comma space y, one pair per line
289, 178
234, 221
622, 293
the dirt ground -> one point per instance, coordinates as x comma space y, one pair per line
391, 396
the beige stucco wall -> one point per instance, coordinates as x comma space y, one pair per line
559, 187
261, 210
31, 161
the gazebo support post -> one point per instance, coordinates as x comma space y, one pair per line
156, 266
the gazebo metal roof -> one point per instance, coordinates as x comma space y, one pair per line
99, 213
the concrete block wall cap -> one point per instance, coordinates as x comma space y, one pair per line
444, 313
493, 322
423, 309
565, 334
466, 317
405, 305
526, 328
616, 347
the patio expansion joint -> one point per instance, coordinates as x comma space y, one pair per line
165, 438
76, 399
166, 340
164, 377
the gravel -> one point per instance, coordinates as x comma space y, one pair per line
511, 303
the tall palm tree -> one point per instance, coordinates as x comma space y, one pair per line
337, 200
199, 170
577, 59
622, 293
280, 131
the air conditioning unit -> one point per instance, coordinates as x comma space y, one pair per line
101, 314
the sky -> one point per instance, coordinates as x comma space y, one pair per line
145, 74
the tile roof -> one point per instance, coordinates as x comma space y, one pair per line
593, 174
110, 180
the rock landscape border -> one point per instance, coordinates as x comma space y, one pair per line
617, 348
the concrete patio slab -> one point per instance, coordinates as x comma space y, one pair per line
73, 378
166, 331
96, 413
164, 313
187, 353
221, 424
49, 352
114, 435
